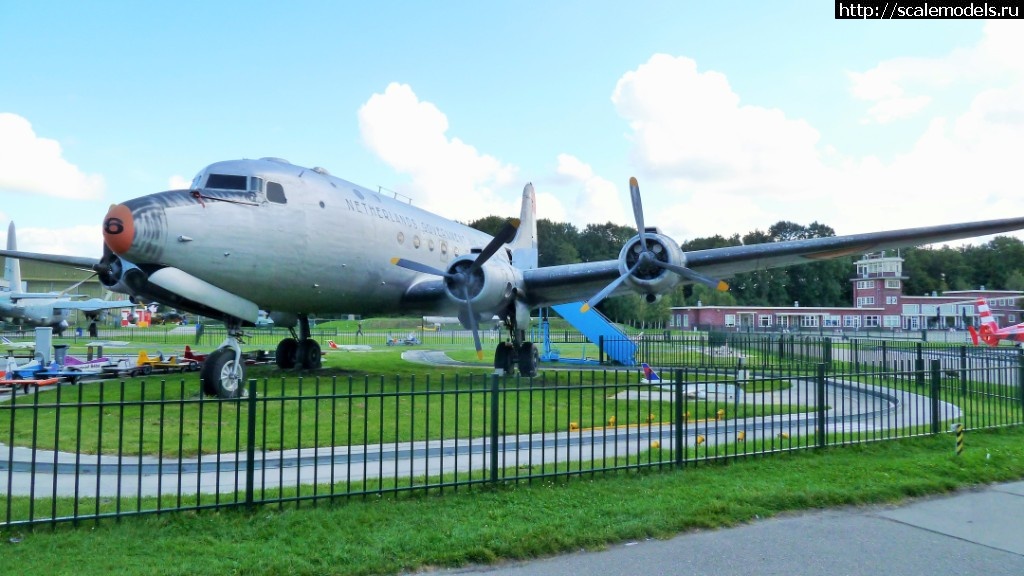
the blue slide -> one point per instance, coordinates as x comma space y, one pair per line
594, 325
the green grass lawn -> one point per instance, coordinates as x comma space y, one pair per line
406, 532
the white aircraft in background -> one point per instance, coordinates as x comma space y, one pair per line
44, 308
266, 234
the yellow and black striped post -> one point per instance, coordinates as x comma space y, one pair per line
959, 429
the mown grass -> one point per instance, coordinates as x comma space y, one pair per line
394, 533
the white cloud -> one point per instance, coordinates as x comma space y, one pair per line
178, 182
85, 240
597, 199
898, 86
711, 164
35, 165
449, 176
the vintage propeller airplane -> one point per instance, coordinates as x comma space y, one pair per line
44, 308
267, 234
990, 333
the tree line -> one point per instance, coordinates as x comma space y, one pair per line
997, 265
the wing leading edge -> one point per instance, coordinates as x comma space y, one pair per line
573, 282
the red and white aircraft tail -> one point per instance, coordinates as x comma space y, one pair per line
989, 332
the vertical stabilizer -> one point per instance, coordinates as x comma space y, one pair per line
524, 245
985, 315
12, 267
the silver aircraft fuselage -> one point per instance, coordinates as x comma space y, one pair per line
325, 244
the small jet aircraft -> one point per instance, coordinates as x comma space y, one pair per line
267, 234
43, 308
990, 333
7, 343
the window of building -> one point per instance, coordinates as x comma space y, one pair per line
889, 283
764, 320
865, 284
831, 321
851, 321
730, 320
891, 321
809, 321
871, 321
911, 309
863, 301
891, 299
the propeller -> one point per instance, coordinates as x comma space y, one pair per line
65, 291
646, 256
461, 276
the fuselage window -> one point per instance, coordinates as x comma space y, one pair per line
275, 193
256, 184
227, 182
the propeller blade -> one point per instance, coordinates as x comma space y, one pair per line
974, 334
418, 267
689, 274
607, 290
504, 236
638, 210
473, 325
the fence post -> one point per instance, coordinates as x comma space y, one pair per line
678, 418
1020, 375
963, 370
828, 351
250, 447
600, 349
820, 401
494, 428
936, 369
885, 357
919, 372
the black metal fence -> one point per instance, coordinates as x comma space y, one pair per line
110, 449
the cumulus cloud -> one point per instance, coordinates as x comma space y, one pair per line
898, 87
448, 175
597, 199
710, 163
35, 165
85, 240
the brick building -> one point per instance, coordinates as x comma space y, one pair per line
878, 304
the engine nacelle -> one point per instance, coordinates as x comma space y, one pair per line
492, 288
650, 279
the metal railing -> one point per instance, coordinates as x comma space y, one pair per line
111, 449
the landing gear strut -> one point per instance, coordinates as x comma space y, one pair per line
223, 371
516, 351
300, 350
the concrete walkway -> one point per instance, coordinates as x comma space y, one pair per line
978, 531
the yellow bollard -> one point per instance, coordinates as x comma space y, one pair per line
655, 445
959, 429
783, 435
611, 421
700, 439
741, 436
650, 418
573, 426
720, 414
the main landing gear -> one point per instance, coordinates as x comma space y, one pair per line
223, 372
301, 351
516, 352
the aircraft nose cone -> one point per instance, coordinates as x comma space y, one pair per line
119, 228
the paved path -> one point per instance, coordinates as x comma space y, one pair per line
972, 532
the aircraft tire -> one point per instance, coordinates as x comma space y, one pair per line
217, 375
529, 359
287, 352
308, 354
504, 359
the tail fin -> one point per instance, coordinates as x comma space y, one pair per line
524, 245
649, 374
974, 334
12, 267
5, 340
986, 314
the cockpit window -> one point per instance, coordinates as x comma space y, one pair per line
227, 182
275, 193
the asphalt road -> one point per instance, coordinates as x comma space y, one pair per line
975, 532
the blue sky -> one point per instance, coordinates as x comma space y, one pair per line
732, 115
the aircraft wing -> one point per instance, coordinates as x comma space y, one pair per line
571, 282
93, 305
77, 261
